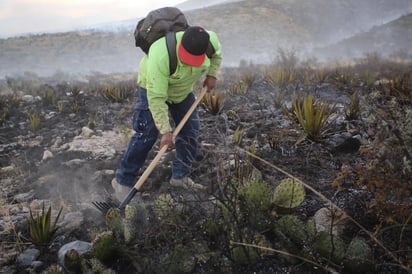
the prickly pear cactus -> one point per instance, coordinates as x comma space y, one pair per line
243, 255
255, 175
103, 246
359, 256
72, 260
129, 223
54, 269
180, 260
164, 206
310, 230
114, 222
293, 228
261, 241
257, 195
295, 236
93, 265
289, 193
330, 246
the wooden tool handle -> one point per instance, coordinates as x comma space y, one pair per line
162, 150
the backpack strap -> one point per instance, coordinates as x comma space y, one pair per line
210, 50
171, 49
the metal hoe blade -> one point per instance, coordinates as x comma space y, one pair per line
104, 207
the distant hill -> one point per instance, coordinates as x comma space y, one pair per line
248, 30
252, 30
198, 4
393, 37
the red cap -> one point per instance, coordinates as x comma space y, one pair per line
192, 49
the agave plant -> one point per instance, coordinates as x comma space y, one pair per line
311, 115
213, 102
353, 109
34, 119
42, 230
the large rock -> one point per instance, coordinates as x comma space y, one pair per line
80, 247
327, 220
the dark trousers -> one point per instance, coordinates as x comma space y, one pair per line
146, 135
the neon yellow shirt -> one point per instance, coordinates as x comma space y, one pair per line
154, 76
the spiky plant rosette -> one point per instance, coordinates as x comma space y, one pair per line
42, 229
289, 193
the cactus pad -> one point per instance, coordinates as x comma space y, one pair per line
129, 223
257, 195
103, 246
289, 193
164, 205
113, 218
330, 246
292, 227
359, 256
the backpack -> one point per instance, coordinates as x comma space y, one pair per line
159, 23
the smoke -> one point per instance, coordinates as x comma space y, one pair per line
75, 183
318, 28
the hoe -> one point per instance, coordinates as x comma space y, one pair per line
104, 207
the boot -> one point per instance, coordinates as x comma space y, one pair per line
187, 183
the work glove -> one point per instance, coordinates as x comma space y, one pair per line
210, 82
167, 139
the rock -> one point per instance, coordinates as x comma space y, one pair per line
344, 142
325, 218
27, 258
100, 174
37, 265
24, 197
74, 163
103, 146
7, 169
50, 115
64, 147
27, 98
71, 221
86, 132
57, 143
37, 205
4, 148
47, 155
80, 247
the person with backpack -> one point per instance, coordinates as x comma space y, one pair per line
163, 90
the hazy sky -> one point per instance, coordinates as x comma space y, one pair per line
22, 16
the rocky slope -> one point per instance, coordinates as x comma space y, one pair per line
68, 161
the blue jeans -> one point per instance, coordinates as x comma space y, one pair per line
146, 135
